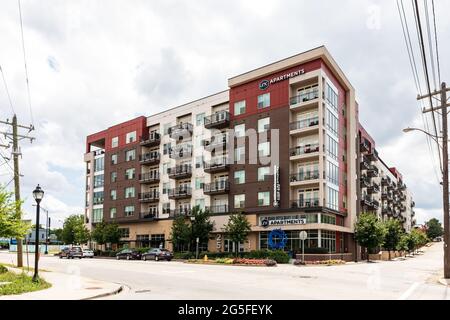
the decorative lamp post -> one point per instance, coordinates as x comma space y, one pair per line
38, 194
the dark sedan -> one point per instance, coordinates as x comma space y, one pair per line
128, 254
157, 254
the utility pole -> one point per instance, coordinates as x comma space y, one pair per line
445, 182
16, 153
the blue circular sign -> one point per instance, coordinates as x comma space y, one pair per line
263, 85
277, 239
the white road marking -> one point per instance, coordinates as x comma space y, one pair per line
408, 292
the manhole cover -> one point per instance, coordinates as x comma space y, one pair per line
142, 291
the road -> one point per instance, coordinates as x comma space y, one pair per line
413, 278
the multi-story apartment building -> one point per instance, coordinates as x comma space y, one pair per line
283, 145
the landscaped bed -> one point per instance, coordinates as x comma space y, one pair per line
320, 262
236, 262
17, 283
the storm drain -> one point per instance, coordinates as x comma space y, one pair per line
142, 291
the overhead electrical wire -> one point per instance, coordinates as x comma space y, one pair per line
436, 43
7, 90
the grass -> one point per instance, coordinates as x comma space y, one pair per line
20, 283
24, 268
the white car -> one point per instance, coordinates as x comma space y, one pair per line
88, 254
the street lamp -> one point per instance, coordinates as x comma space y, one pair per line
432, 136
47, 227
192, 234
38, 194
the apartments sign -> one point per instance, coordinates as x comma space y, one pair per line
263, 85
281, 220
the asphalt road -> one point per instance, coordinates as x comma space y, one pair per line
413, 278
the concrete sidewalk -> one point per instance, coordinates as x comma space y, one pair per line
68, 287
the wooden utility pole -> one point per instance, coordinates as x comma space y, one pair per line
445, 182
14, 136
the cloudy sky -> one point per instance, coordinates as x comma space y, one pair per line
96, 63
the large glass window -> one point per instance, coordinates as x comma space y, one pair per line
131, 137
157, 241
263, 173
239, 177
239, 107
264, 149
239, 130
124, 232
99, 180
332, 97
332, 173
264, 198
114, 142
97, 215
99, 164
129, 192
264, 100
263, 124
332, 199
294, 243
332, 147
239, 201
130, 155
129, 211
332, 123
98, 197
328, 239
328, 219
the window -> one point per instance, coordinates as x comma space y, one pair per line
129, 211
166, 128
332, 173
166, 187
130, 155
129, 192
239, 177
157, 241
114, 158
99, 180
97, 215
239, 154
328, 239
263, 198
263, 124
124, 232
200, 203
331, 97
332, 147
98, 197
99, 164
131, 137
112, 213
114, 142
264, 149
263, 172
166, 148
239, 201
130, 174
328, 219
166, 208
199, 119
142, 240
113, 194
199, 162
264, 100
332, 198
199, 183
113, 176
239, 107
239, 130
332, 123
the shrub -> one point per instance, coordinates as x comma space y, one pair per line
327, 262
278, 255
224, 261
3, 269
270, 263
299, 262
316, 250
184, 255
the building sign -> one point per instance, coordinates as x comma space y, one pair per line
281, 220
277, 239
263, 85
219, 241
276, 186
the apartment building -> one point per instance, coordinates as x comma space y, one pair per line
283, 145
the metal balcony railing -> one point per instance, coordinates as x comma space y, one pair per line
304, 97
305, 176
306, 149
305, 123
218, 119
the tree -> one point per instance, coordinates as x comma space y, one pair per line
434, 229
112, 233
57, 233
403, 243
11, 226
369, 232
180, 234
201, 226
74, 231
419, 238
237, 229
98, 233
393, 232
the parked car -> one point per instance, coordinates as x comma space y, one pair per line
71, 253
128, 254
88, 253
157, 254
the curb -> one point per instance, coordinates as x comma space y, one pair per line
444, 282
102, 295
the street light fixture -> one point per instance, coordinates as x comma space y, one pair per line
432, 136
192, 233
38, 194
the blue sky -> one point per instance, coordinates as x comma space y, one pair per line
95, 63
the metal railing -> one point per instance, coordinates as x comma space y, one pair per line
304, 97
305, 123
308, 148
306, 203
217, 186
217, 118
304, 176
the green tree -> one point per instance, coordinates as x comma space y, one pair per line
112, 233
434, 229
180, 234
237, 229
393, 232
57, 233
201, 226
403, 243
74, 231
11, 226
369, 231
419, 238
98, 233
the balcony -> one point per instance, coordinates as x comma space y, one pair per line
305, 176
304, 98
386, 196
375, 204
304, 150
365, 181
149, 197
149, 177
149, 216
153, 140
306, 203
387, 210
372, 171
218, 164
180, 193
181, 151
302, 125
385, 182
364, 146
215, 142
218, 209
180, 172
181, 130
374, 188
181, 211
217, 187
218, 120
413, 204
373, 156
366, 200
150, 158
364, 165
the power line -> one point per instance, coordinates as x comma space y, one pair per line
435, 39
7, 91
430, 45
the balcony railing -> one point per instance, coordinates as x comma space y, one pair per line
149, 177
305, 123
181, 151
152, 196
182, 211
372, 171
304, 97
151, 215
180, 172
181, 130
180, 192
385, 182
306, 149
217, 187
154, 139
219, 119
305, 176
150, 158
366, 200
364, 146
217, 141
306, 203
216, 164
218, 208
365, 181
374, 188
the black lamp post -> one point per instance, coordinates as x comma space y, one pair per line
38, 194
192, 232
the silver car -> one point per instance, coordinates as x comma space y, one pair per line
88, 253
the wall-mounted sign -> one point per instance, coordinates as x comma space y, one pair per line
281, 220
219, 241
276, 186
277, 239
263, 85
